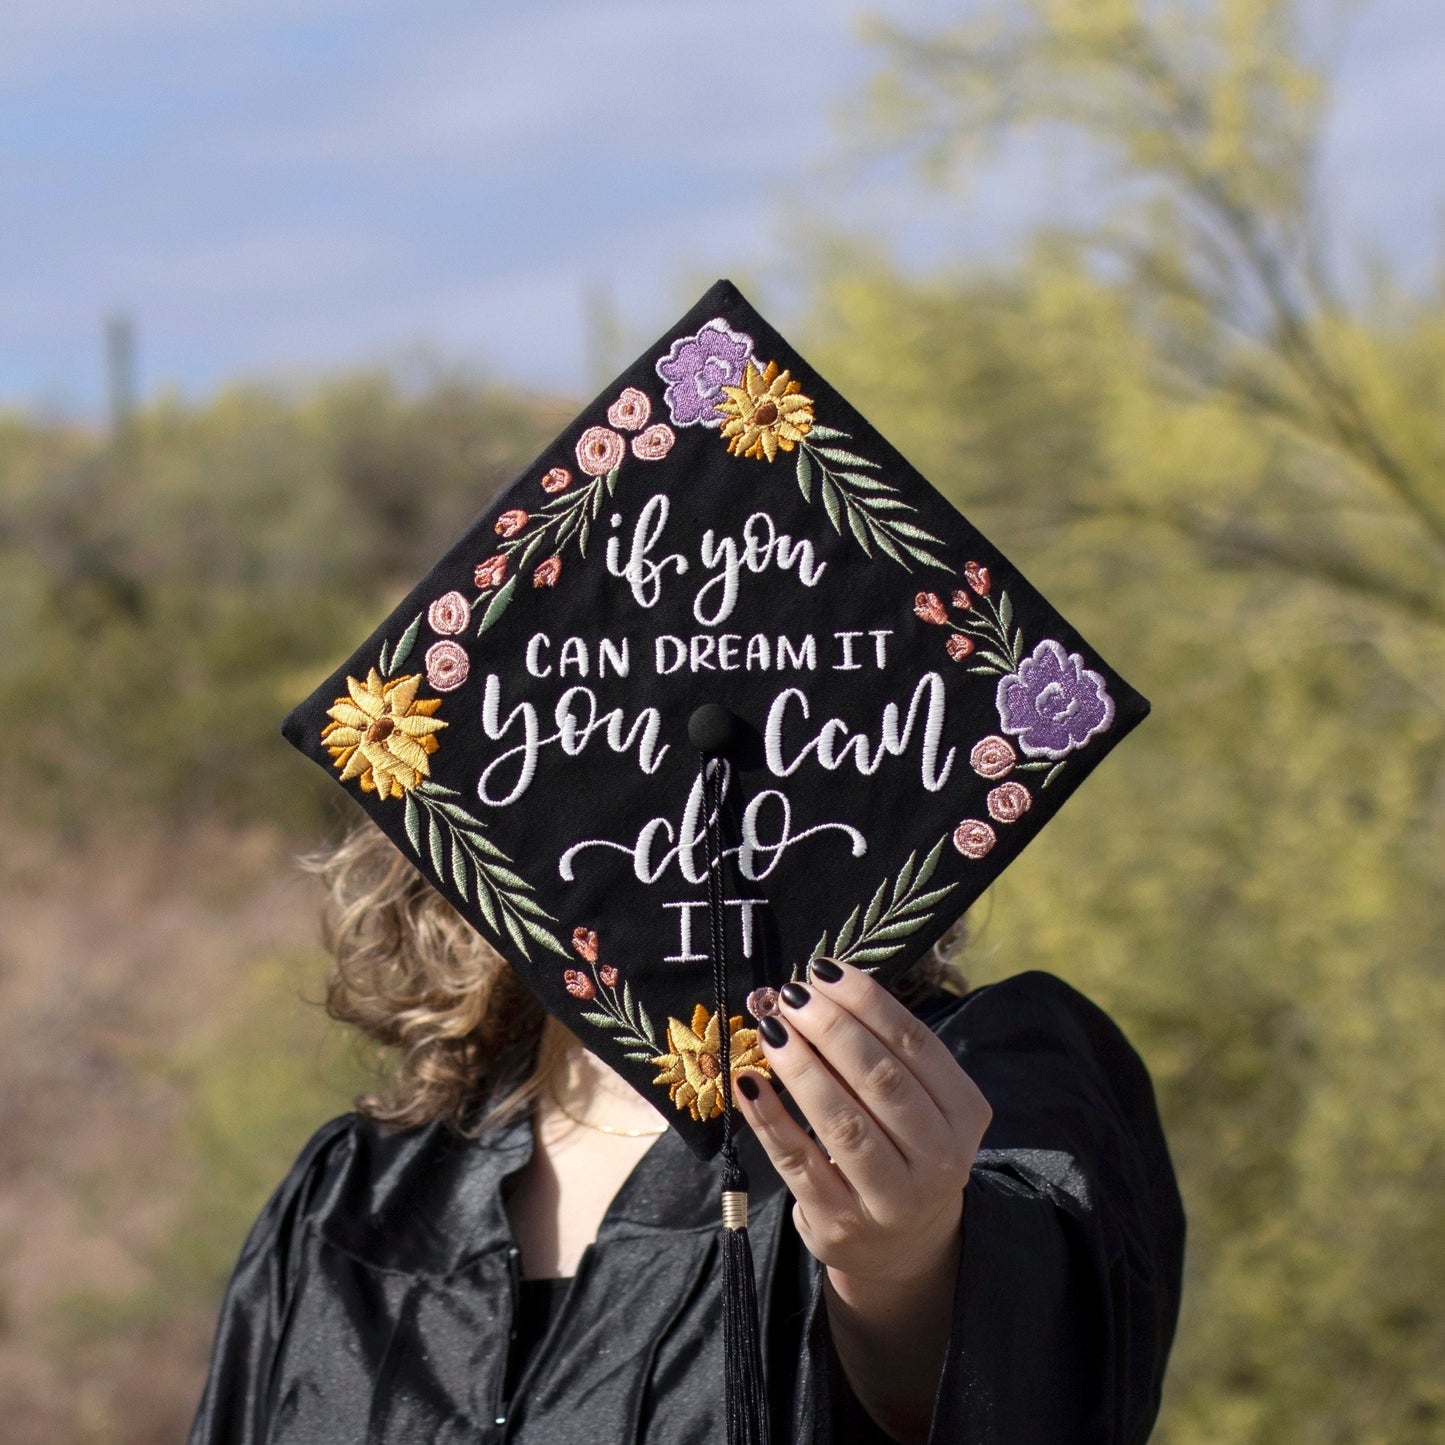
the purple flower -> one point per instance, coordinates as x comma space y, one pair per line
1053, 703
698, 367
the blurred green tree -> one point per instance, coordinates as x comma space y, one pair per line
1202, 125
166, 602
1227, 467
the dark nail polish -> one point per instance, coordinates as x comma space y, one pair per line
793, 994
774, 1031
825, 971
748, 1086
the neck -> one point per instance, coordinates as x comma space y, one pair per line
587, 1089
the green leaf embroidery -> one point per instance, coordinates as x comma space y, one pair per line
408, 641
516, 935
883, 930
875, 907
459, 867
860, 533
844, 458
917, 533
484, 902
929, 864
541, 935
886, 544
865, 483
845, 934
830, 502
498, 604
805, 475
455, 844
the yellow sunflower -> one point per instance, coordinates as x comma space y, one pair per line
766, 414
693, 1071
383, 733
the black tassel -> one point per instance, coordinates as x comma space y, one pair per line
747, 1399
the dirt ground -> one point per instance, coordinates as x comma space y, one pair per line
123, 963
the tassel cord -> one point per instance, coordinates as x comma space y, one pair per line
746, 1404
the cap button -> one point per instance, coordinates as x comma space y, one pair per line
712, 728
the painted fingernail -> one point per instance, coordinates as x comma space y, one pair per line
774, 1031
825, 971
794, 995
748, 1086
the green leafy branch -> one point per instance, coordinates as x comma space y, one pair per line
460, 850
876, 515
1005, 643
890, 917
620, 1011
567, 515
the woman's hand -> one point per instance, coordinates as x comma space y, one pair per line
890, 1104
902, 1123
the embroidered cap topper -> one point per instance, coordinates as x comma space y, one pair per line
896, 710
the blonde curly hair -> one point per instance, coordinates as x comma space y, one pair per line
461, 1037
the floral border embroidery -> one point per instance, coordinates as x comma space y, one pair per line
714, 380
385, 735
690, 1065
893, 914
989, 635
618, 1010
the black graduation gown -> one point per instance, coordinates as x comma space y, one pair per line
374, 1298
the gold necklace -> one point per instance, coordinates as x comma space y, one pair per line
603, 1128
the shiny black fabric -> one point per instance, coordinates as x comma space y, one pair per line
374, 1298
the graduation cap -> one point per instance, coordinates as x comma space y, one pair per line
720, 686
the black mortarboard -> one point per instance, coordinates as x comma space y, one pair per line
719, 557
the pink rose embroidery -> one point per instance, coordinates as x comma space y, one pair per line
584, 943
449, 614
992, 757
557, 480
974, 838
510, 522
547, 573
958, 646
599, 449
608, 974
962, 600
630, 411
447, 666
578, 984
490, 572
654, 443
1008, 802
929, 606
977, 578
761, 1002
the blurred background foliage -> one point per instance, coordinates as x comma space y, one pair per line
1214, 449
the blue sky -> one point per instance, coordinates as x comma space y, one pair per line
277, 189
